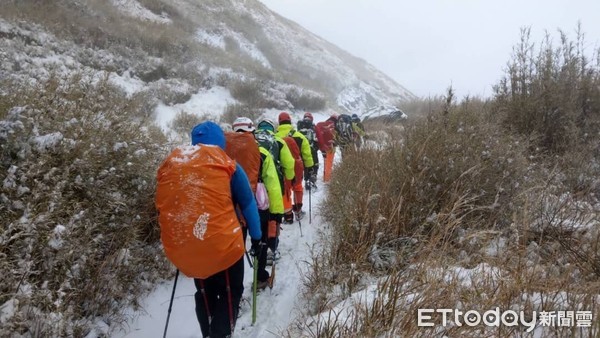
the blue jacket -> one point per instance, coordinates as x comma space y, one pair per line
241, 193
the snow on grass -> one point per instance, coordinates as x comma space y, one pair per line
135, 9
207, 101
211, 38
130, 85
250, 49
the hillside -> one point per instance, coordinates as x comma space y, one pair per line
170, 50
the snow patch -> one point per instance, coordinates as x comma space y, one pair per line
212, 101
210, 38
135, 9
130, 85
48, 141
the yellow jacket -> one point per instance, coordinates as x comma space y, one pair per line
270, 179
285, 130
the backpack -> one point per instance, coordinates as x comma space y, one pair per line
295, 150
267, 140
344, 129
199, 229
243, 149
325, 135
307, 129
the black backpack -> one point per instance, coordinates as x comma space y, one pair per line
307, 129
268, 141
343, 127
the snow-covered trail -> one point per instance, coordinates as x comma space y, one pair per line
276, 308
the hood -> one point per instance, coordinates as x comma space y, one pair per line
208, 133
284, 129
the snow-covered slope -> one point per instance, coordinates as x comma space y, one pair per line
184, 46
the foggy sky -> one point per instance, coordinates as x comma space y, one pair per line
427, 45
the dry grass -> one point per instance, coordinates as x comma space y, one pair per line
79, 238
450, 211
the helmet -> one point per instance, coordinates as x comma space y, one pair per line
355, 118
308, 116
284, 117
266, 124
243, 124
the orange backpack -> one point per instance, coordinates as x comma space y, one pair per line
198, 226
242, 147
295, 150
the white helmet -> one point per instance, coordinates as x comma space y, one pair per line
243, 124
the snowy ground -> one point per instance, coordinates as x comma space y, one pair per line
276, 308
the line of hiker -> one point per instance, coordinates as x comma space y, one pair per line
225, 186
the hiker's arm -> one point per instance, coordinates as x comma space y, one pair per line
306, 152
271, 181
242, 195
287, 160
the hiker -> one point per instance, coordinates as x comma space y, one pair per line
307, 128
326, 136
358, 131
243, 140
197, 188
284, 165
344, 132
300, 149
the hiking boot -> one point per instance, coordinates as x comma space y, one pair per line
288, 218
300, 215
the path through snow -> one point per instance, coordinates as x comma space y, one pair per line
276, 308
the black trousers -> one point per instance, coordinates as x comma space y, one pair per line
263, 274
212, 304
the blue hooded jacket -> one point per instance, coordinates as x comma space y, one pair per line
241, 193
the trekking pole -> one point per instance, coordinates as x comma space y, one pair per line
309, 204
254, 289
299, 225
171, 303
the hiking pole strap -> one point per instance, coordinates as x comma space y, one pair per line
249, 260
171, 303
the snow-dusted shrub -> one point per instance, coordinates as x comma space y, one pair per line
78, 231
233, 111
551, 93
183, 123
306, 100
248, 92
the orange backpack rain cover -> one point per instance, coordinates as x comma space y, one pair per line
199, 229
242, 147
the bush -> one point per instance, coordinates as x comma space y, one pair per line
79, 234
552, 95
249, 93
183, 123
233, 111
305, 101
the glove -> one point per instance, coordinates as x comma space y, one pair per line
256, 247
307, 173
276, 217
